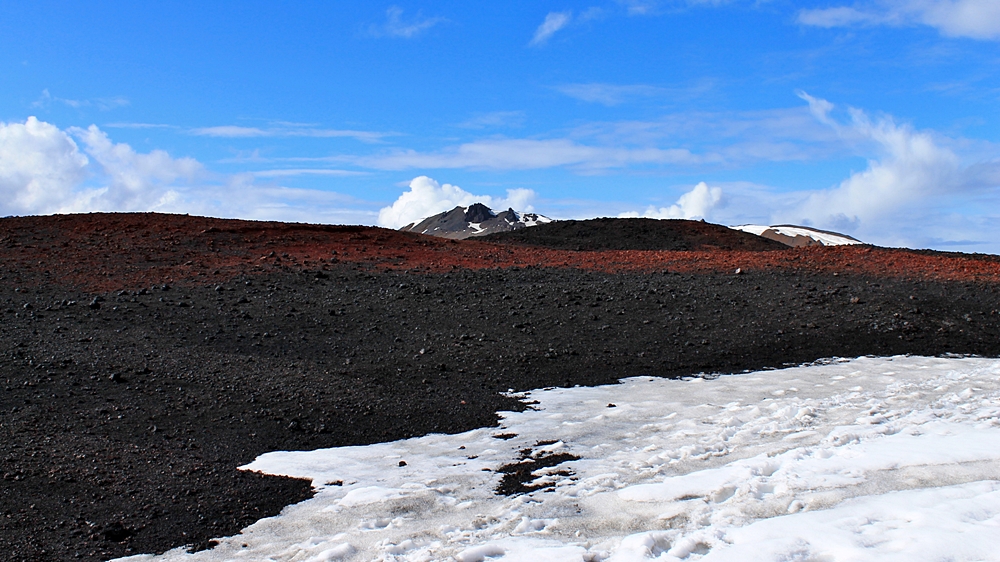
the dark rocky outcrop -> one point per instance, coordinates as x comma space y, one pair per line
636, 234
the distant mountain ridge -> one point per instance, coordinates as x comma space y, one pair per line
475, 220
478, 220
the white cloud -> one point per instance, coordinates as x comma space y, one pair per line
43, 170
640, 7
819, 108
591, 14
39, 167
139, 126
608, 94
305, 172
915, 191
979, 19
103, 104
731, 139
840, 16
656, 7
427, 197
396, 26
699, 203
614, 94
976, 19
495, 119
230, 131
240, 197
363, 136
919, 189
137, 182
554, 21
911, 168
287, 130
526, 154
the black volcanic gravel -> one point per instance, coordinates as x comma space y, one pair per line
123, 417
634, 234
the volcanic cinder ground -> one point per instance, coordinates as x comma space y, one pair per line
144, 357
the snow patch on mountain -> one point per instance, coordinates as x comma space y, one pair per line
797, 236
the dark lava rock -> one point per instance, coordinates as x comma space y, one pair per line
635, 234
103, 470
477, 212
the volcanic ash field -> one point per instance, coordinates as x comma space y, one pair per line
146, 357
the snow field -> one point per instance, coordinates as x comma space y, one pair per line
868, 459
826, 238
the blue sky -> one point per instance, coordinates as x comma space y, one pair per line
878, 118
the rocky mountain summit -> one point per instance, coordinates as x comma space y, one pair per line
475, 220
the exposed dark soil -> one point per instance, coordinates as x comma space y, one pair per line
519, 477
128, 405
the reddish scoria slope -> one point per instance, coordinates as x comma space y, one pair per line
103, 252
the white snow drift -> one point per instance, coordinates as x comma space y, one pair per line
790, 234
892, 459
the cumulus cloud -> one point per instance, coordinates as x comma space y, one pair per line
911, 167
695, 204
45, 170
39, 167
527, 154
427, 197
554, 21
396, 26
918, 188
977, 19
135, 181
